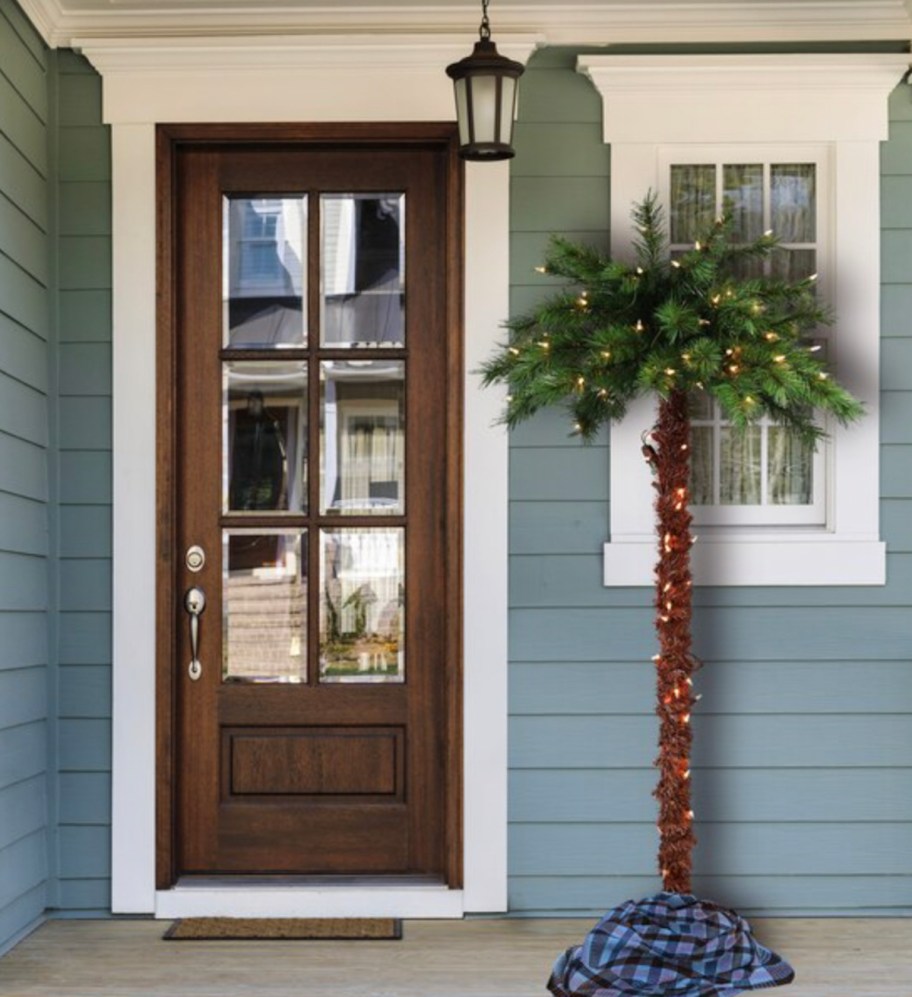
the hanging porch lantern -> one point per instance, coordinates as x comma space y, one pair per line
485, 84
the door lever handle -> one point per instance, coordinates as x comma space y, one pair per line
195, 603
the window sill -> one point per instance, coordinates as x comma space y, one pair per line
756, 559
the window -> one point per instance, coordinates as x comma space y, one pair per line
791, 143
765, 476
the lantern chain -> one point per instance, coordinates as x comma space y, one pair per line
484, 31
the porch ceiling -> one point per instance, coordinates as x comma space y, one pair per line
554, 21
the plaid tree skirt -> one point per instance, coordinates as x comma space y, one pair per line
669, 945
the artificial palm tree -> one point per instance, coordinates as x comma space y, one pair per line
672, 327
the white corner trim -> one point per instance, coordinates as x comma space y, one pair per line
755, 560
653, 103
596, 22
674, 99
308, 901
133, 103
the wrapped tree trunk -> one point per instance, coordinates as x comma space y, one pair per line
669, 456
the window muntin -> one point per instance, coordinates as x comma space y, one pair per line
765, 476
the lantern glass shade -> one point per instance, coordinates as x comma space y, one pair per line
485, 87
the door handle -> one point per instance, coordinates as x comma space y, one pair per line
195, 603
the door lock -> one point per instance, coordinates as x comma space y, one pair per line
195, 558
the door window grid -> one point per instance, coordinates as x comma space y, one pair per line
358, 609
766, 476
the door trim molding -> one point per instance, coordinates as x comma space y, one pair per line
486, 303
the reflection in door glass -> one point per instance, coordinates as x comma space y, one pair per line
362, 437
265, 437
264, 606
362, 300
264, 276
362, 605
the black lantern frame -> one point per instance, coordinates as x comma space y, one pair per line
485, 87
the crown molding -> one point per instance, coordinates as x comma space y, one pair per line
597, 22
200, 56
739, 98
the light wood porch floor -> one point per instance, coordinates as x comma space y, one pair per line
480, 958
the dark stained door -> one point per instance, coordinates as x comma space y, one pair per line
313, 451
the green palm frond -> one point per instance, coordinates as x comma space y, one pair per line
693, 323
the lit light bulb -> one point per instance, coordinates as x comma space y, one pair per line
771, 337
779, 358
675, 264
606, 354
690, 815
823, 375
697, 245
514, 351
639, 326
541, 269
640, 271
544, 344
581, 382
670, 371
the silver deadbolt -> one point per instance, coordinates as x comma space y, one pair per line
194, 603
195, 558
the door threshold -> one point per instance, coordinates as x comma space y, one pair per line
245, 882
310, 896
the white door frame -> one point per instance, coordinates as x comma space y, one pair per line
242, 80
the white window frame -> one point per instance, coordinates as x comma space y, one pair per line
817, 513
651, 102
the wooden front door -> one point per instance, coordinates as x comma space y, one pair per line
309, 430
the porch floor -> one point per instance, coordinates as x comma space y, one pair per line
836, 957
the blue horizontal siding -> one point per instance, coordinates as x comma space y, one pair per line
799, 895
24, 438
802, 770
84, 384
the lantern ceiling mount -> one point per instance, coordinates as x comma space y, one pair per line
485, 85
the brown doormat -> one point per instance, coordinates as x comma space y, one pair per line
325, 929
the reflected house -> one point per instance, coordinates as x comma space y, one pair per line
364, 269
264, 240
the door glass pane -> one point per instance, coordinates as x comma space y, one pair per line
362, 301
264, 278
790, 468
793, 201
265, 437
693, 201
264, 614
362, 605
362, 437
739, 466
742, 195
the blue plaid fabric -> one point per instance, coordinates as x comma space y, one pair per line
669, 945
